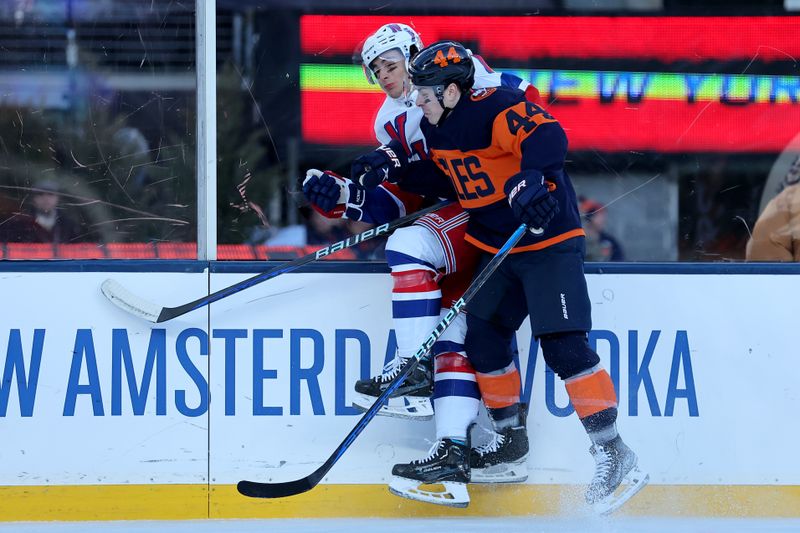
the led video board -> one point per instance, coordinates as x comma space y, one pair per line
666, 84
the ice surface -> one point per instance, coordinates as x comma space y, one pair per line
428, 525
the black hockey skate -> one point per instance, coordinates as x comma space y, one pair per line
617, 477
446, 468
503, 459
411, 399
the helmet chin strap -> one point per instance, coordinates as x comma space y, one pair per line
407, 92
439, 92
445, 114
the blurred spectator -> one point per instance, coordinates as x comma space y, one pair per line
49, 222
600, 245
776, 235
131, 158
785, 171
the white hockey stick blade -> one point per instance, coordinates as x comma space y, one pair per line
406, 407
127, 301
633, 482
447, 493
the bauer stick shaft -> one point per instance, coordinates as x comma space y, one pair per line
126, 300
256, 489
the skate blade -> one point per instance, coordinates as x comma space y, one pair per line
510, 472
405, 407
449, 493
633, 482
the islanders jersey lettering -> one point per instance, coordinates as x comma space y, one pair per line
490, 136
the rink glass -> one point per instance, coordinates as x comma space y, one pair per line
97, 105
682, 120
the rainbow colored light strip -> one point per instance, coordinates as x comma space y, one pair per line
687, 87
605, 110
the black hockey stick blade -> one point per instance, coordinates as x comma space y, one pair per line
127, 301
255, 489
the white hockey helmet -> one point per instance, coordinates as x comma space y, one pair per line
389, 37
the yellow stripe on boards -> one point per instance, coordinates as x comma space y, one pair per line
103, 502
339, 501
183, 502
751, 501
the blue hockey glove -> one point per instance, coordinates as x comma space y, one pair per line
332, 195
386, 163
532, 203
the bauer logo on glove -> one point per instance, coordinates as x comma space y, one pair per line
385, 163
530, 199
518, 187
391, 155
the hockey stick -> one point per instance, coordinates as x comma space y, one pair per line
127, 301
256, 489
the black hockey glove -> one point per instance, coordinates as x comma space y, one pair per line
386, 163
532, 203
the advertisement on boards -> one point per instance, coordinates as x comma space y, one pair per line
260, 384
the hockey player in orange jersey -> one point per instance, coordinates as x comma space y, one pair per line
502, 157
431, 267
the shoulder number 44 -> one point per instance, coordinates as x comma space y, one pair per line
534, 115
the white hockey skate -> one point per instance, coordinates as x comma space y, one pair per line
410, 401
617, 477
441, 478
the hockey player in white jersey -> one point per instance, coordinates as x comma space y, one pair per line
431, 267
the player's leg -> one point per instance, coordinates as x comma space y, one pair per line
617, 475
417, 255
456, 396
416, 303
456, 399
493, 317
561, 317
